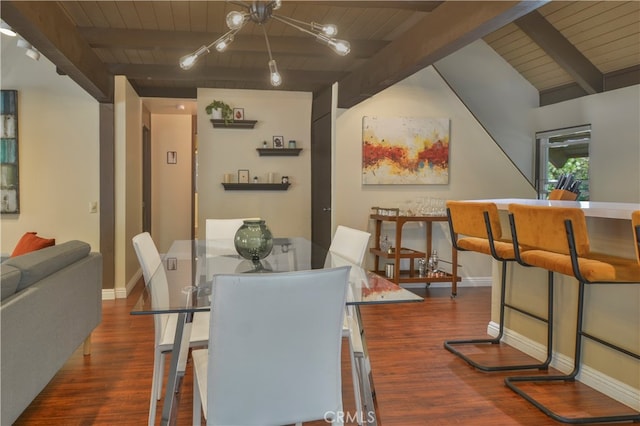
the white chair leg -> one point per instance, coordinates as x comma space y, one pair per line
355, 378
197, 403
160, 376
154, 388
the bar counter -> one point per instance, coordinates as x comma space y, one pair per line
613, 310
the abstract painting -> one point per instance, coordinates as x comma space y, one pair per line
405, 151
9, 195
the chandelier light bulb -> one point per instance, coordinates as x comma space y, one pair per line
341, 47
329, 30
187, 61
276, 4
276, 79
235, 20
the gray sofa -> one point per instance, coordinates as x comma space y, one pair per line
50, 303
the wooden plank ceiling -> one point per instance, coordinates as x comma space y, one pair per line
564, 49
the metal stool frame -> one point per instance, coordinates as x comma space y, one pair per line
512, 382
449, 344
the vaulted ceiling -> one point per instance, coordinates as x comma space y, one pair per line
565, 49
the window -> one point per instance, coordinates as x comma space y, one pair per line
563, 151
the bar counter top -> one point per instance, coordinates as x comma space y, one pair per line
600, 209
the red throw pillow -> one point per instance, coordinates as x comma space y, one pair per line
30, 242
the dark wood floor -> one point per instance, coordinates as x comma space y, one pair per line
417, 381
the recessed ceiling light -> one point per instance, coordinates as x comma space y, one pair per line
181, 107
6, 29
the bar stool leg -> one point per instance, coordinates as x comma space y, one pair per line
512, 382
449, 344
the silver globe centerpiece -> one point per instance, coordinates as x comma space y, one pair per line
253, 240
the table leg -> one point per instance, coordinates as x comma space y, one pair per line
178, 366
366, 378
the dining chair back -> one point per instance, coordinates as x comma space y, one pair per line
350, 243
274, 352
164, 324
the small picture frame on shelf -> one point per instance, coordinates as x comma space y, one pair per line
238, 113
172, 157
243, 176
278, 142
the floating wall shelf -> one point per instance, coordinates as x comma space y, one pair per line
236, 124
282, 152
256, 186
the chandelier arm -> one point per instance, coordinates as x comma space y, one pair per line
266, 39
291, 24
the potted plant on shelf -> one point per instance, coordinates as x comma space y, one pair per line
220, 111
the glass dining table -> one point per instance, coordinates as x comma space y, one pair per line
182, 285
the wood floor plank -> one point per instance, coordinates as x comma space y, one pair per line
417, 381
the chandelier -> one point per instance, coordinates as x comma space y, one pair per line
259, 12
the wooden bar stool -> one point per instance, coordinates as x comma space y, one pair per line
558, 241
479, 222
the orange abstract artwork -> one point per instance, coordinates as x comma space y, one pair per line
405, 151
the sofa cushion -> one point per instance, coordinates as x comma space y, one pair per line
31, 242
9, 279
38, 264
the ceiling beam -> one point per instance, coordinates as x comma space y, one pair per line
451, 26
175, 73
47, 28
562, 51
186, 42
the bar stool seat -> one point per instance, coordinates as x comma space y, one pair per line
475, 226
559, 242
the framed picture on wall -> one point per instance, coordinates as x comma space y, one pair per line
278, 142
238, 113
243, 176
9, 182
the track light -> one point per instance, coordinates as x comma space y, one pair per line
259, 12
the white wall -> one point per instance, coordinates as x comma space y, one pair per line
615, 139
498, 96
58, 152
220, 151
478, 167
171, 183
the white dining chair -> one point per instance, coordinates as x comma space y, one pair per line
274, 353
351, 244
164, 324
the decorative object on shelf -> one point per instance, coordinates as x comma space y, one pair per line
422, 267
238, 113
253, 240
292, 145
255, 179
9, 178
264, 144
271, 177
433, 261
278, 142
172, 157
220, 111
388, 270
385, 244
285, 179
386, 211
260, 12
243, 176
227, 178
405, 151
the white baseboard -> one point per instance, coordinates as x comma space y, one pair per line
108, 294
466, 282
595, 379
120, 292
